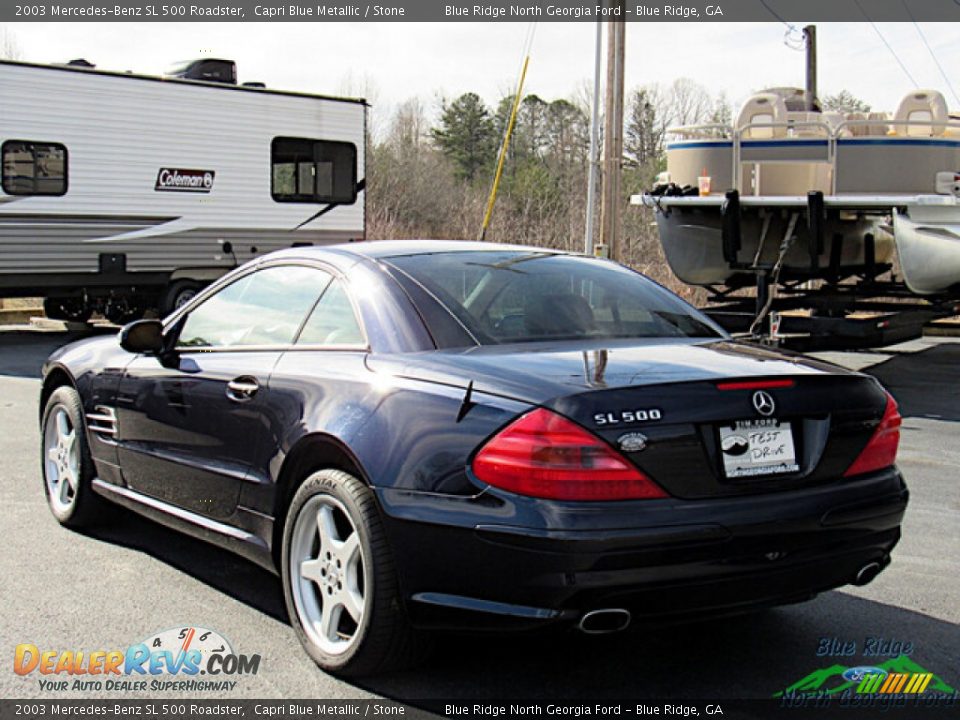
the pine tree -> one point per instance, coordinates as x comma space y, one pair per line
466, 134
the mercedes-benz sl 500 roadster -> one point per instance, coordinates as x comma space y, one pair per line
429, 435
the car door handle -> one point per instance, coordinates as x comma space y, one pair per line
242, 388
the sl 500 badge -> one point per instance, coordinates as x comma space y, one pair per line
627, 416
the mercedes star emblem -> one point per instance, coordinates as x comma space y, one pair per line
763, 403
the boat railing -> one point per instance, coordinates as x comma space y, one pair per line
715, 131
808, 141
844, 129
802, 141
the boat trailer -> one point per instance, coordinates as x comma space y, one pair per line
844, 307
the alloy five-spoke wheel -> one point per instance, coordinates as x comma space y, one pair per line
339, 579
62, 466
66, 464
327, 567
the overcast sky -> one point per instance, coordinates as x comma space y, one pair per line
390, 62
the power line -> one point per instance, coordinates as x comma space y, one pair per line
933, 55
780, 18
889, 47
791, 43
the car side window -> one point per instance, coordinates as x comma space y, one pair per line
332, 321
266, 307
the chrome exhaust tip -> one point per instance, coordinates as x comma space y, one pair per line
867, 573
602, 622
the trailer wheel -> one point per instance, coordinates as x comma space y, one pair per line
123, 310
178, 294
71, 309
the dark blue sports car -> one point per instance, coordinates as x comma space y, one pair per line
429, 435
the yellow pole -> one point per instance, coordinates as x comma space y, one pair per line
503, 150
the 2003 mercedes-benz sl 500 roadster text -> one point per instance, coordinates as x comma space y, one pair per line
428, 435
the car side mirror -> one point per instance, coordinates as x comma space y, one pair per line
142, 336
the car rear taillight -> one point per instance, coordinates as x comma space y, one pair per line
544, 455
881, 451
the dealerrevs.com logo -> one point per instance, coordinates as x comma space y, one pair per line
182, 180
190, 659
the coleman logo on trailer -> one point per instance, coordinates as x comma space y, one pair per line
180, 180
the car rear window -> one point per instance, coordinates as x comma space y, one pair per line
516, 296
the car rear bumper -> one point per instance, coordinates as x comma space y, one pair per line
501, 561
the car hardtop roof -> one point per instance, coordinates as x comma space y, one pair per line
394, 248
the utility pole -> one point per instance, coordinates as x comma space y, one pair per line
594, 143
613, 136
810, 42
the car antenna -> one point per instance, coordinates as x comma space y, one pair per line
466, 405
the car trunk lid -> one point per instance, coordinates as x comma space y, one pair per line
735, 436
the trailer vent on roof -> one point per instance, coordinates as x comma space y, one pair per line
208, 69
81, 62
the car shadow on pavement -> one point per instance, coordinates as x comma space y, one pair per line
222, 570
23, 351
926, 383
749, 656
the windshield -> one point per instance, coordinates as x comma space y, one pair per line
516, 296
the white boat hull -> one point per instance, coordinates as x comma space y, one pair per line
693, 244
928, 245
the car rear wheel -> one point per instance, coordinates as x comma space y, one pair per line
339, 579
67, 467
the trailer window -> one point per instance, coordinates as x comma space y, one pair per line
313, 171
34, 168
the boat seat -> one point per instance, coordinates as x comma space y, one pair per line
921, 106
763, 108
879, 123
834, 119
858, 126
953, 128
797, 118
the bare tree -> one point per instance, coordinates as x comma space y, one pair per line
409, 127
722, 111
688, 102
9, 47
363, 85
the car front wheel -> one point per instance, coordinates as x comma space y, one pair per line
67, 466
339, 579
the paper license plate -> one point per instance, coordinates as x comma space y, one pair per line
757, 447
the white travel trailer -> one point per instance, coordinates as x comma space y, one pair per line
125, 192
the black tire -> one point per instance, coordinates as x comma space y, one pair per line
383, 639
121, 311
178, 294
71, 309
84, 507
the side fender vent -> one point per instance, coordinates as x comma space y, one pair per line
103, 421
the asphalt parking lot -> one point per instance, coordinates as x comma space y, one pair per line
123, 583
